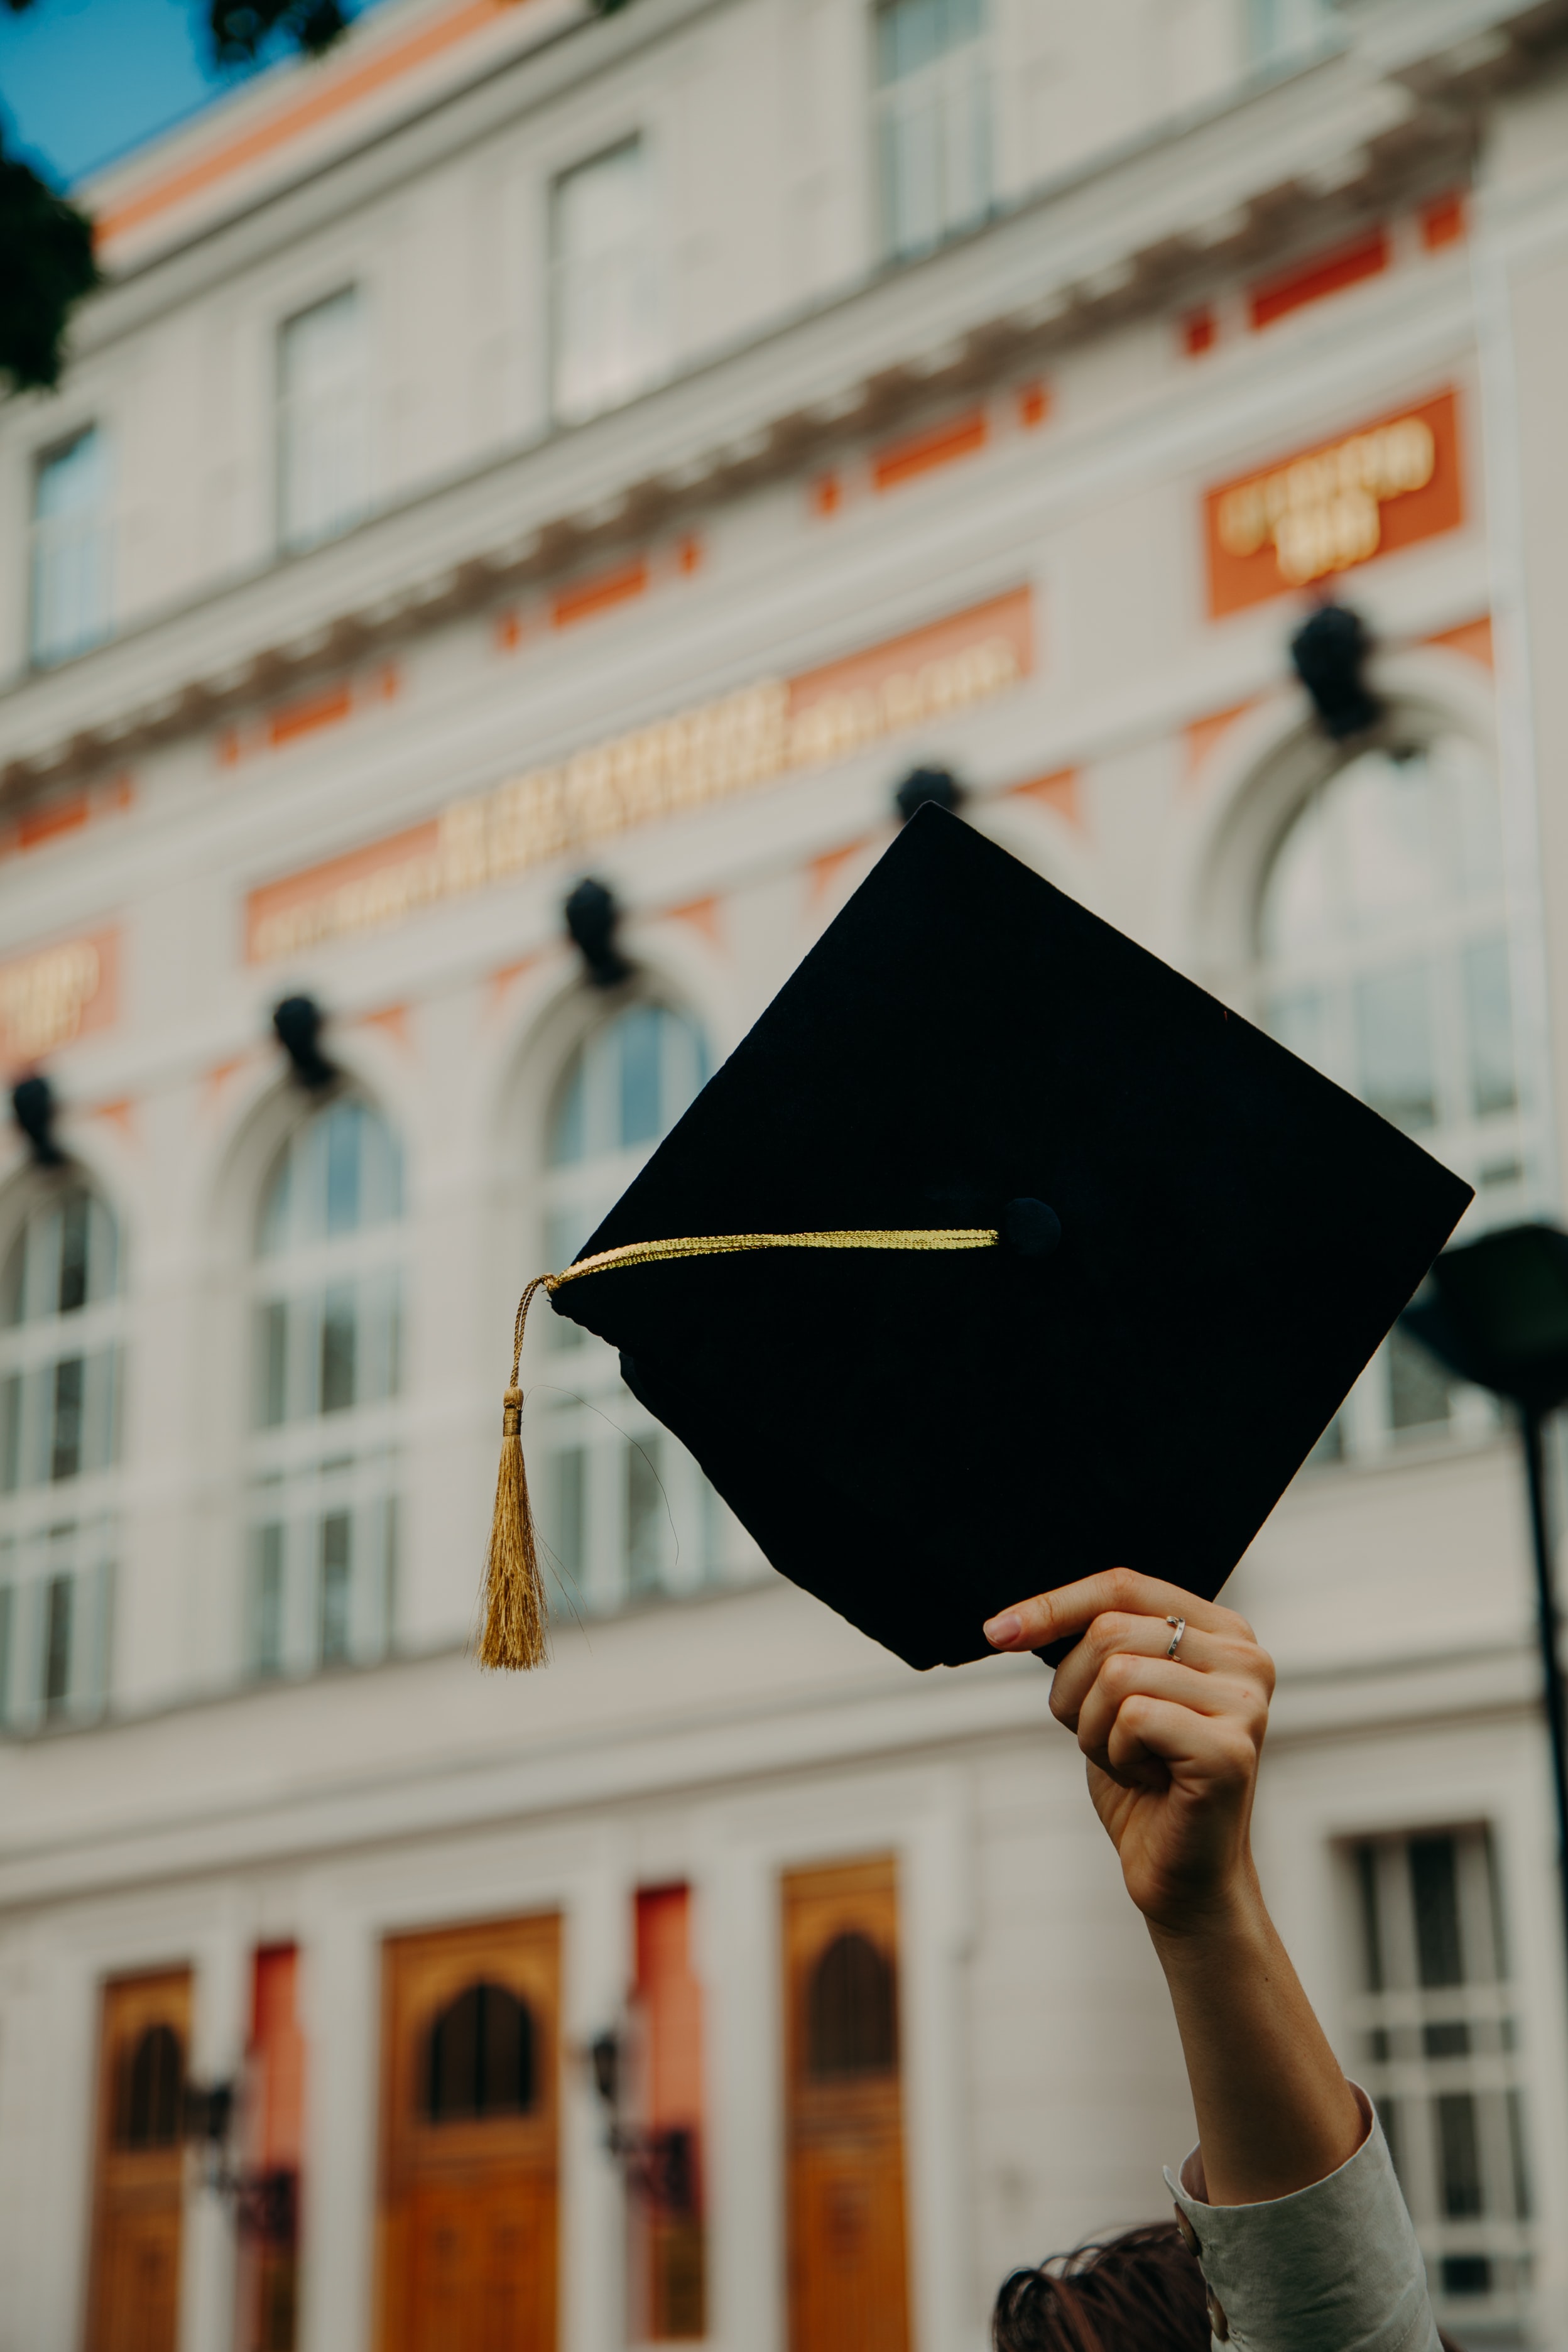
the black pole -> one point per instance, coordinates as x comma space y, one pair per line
1551, 1653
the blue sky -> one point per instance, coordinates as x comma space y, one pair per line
82, 80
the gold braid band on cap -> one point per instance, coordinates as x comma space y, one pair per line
513, 1613
911, 1237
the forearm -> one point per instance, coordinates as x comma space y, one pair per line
1274, 2111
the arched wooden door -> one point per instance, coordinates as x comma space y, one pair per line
847, 2260
133, 2299
470, 2125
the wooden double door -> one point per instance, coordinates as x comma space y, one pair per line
468, 2210
134, 2292
847, 2256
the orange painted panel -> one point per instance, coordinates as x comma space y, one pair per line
669, 2239
134, 2294
587, 598
922, 453
1327, 273
469, 2219
849, 2264
52, 995
1388, 485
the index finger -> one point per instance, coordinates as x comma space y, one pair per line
1056, 1616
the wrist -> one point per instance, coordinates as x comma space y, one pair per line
1229, 1915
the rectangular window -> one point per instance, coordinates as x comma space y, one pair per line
72, 546
607, 341
7, 1619
647, 1519
1437, 2029
933, 120
1396, 1066
566, 1522
323, 414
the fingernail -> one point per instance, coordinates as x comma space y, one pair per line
1000, 1631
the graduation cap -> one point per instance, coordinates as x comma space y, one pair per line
996, 1254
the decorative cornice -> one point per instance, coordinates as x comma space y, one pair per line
1152, 228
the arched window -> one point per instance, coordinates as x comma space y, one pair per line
626, 1513
149, 2091
1384, 959
325, 1376
478, 2060
60, 1367
851, 2020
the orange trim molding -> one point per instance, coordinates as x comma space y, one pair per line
1331, 273
922, 453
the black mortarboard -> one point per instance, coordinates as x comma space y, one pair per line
1180, 1245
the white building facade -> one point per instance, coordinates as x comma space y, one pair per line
528, 446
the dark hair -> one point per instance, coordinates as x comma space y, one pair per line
1141, 2292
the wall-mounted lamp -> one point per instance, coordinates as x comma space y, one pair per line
657, 2164
592, 919
922, 784
298, 1023
33, 1107
1330, 652
264, 2205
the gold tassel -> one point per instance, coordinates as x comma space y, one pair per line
515, 1618
514, 1622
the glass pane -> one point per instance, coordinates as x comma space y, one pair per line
1394, 1046
1381, 812
266, 1637
1298, 911
59, 1595
65, 1451
647, 1518
1458, 2155
1300, 1021
335, 1554
71, 549
13, 1282
1418, 1389
10, 1433
344, 1124
1489, 1024
566, 1128
322, 420
606, 329
1434, 1886
274, 1355
7, 1619
339, 1348
73, 1252
641, 1034
565, 1514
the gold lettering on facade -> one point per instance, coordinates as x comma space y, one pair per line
710, 754
44, 996
1322, 513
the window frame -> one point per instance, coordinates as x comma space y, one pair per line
100, 630
1301, 769
59, 1531
322, 1485
297, 541
563, 413
938, 79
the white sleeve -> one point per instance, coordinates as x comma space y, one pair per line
1334, 2268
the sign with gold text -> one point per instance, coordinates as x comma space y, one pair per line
56, 994
1383, 487
710, 754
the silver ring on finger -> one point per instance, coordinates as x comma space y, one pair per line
1175, 1643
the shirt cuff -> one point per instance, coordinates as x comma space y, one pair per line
1333, 2268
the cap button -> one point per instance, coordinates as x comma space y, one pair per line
1031, 1227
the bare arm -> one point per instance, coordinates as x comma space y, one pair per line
1173, 1746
